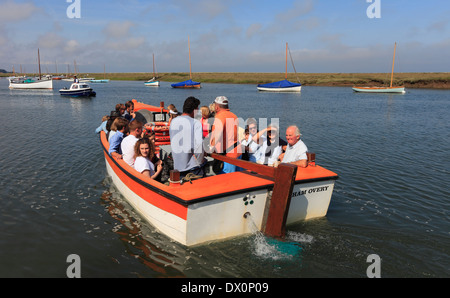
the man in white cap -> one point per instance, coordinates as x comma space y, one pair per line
224, 133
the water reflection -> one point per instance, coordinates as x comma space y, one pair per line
149, 252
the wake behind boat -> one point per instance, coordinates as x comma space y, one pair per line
77, 90
216, 207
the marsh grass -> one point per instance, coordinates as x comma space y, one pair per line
414, 80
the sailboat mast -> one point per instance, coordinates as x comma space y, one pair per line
190, 70
39, 62
286, 60
153, 65
393, 60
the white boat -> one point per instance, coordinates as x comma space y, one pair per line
284, 85
390, 89
380, 89
216, 207
153, 81
77, 90
31, 83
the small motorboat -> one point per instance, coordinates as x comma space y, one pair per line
77, 90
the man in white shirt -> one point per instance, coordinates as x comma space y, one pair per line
296, 149
127, 145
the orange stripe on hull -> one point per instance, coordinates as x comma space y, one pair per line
140, 184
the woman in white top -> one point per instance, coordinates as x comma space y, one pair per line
144, 151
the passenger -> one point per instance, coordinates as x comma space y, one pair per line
127, 146
296, 149
256, 139
244, 143
186, 140
75, 79
129, 111
144, 151
120, 108
204, 120
103, 125
116, 140
212, 110
173, 113
224, 133
272, 147
112, 116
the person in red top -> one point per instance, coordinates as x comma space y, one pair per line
224, 133
204, 120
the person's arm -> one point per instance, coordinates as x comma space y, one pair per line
303, 163
159, 168
116, 155
257, 136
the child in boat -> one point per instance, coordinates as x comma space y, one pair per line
144, 152
204, 120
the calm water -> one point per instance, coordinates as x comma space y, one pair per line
392, 197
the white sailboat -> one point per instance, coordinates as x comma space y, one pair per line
390, 89
153, 81
31, 83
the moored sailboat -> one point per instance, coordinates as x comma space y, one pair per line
31, 83
153, 81
188, 84
390, 89
281, 86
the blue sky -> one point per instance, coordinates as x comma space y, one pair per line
226, 35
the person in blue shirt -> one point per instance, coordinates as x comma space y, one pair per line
116, 139
103, 125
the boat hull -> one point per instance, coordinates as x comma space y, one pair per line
192, 214
152, 83
198, 86
77, 93
287, 89
46, 84
100, 81
379, 89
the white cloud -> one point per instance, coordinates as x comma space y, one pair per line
15, 12
118, 29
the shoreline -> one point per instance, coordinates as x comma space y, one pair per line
431, 80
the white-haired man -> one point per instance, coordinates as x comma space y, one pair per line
296, 149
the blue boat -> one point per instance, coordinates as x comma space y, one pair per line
77, 90
187, 84
280, 86
284, 85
